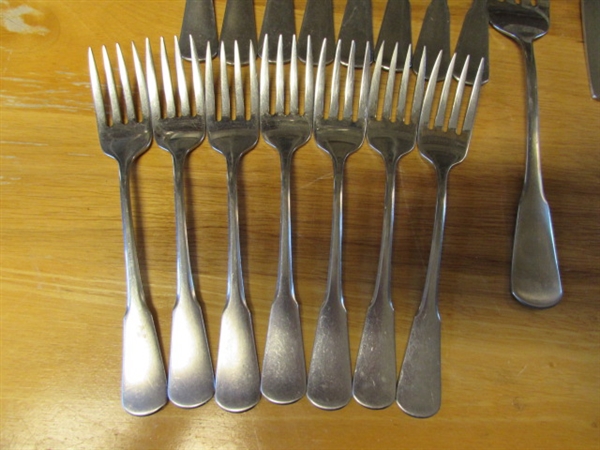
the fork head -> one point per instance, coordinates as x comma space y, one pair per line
234, 134
391, 136
341, 136
126, 132
178, 132
286, 132
446, 146
525, 20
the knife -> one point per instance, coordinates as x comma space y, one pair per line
434, 37
198, 22
590, 16
474, 42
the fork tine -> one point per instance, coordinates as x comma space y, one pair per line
441, 112
238, 83
419, 89
97, 91
254, 101
167, 83
197, 79
152, 83
403, 93
294, 78
309, 88
209, 104
349, 86
363, 99
374, 88
334, 103
115, 109
141, 82
265, 104
124, 76
428, 100
184, 99
225, 100
472, 107
319, 104
279, 81
389, 87
453, 123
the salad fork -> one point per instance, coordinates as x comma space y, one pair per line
284, 370
535, 277
125, 135
330, 376
191, 380
419, 386
237, 375
374, 383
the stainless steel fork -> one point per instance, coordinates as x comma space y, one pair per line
419, 386
237, 375
374, 383
535, 276
124, 135
330, 373
284, 370
191, 380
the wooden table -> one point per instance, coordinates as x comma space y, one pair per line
513, 377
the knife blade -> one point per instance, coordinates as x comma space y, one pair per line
590, 16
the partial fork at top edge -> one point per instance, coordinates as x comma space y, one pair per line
419, 385
237, 374
191, 380
124, 137
374, 383
330, 373
284, 369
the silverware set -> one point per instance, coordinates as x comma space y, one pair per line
185, 107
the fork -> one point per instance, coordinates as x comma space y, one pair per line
125, 135
419, 386
374, 383
535, 277
330, 376
191, 380
237, 375
284, 370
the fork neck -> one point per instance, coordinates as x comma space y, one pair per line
285, 281
334, 281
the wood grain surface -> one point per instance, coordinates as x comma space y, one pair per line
513, 377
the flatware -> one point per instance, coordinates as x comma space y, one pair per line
178, 131
318, 24
124, 137
473, 41
239, 25
435, 36
278, 20
330, 376
200, 23
419, 386
237, 375
590, 16
535, 277
284, 370
357, 27
374, 383
395, 28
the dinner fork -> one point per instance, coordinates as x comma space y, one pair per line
374, 383
124, 135
237, 375
191, 380
284, 370
330, 376
535, 277
419, 386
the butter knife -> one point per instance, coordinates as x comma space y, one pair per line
318, 24
434, 37
278, 21
198, 22
239, 24
474, 42
357, 26
590, 16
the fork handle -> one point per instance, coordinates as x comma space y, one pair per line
420, 383
144, 383
535, 277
